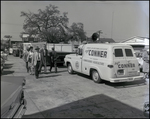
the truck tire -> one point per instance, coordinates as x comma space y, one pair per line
70, 70
95, 76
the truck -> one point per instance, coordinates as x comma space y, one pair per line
112, 62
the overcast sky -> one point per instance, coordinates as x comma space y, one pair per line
118, 20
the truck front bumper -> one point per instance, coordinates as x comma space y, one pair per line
126, 79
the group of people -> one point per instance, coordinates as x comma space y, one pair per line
39, 58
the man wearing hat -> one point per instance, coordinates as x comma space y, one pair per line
53, 63
44, 53
36, 61
25, 55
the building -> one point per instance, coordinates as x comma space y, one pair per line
27, 38
101, 40
137, 42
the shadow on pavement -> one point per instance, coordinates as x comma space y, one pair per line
62, 71
7, 66
49, 76
97, 106
121, 84
83, 75
7, 72
62, 67
126, 84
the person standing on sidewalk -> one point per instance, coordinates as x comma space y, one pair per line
25, 55
36, 61
53, 63
44, 54
29, 58
145, 58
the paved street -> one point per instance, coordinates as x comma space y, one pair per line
64, 95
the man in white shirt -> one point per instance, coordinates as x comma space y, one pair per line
36, 61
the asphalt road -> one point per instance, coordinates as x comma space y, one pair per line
64, 95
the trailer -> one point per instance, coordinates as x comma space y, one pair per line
62, 50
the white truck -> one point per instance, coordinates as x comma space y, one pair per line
113, 62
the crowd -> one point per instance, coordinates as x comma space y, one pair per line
35, 60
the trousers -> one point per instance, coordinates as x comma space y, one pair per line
43, 63
36, 67
53, 64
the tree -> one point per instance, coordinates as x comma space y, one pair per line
75, 32
78, 31
45, 23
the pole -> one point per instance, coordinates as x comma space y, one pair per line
112, 24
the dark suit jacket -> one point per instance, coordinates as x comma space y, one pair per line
53, 56
42, 55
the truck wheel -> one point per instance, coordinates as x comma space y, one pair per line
70, 70
95, 76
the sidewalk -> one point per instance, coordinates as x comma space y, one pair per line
15, 66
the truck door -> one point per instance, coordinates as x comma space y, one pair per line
119, 62
132, 62
77, 61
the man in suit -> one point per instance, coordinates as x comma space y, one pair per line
44, 54
36, 61
25, 55
53, 63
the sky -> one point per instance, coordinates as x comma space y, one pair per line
118, 20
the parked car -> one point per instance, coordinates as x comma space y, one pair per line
4, 55
10, 51
13, 104
2, 64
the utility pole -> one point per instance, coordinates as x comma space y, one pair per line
112, 24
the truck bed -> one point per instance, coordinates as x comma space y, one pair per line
61, 56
